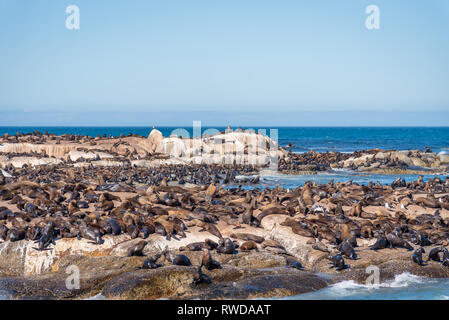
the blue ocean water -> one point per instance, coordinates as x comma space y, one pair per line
320, 139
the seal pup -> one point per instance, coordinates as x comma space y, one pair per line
291, 262
136, 250
381, 243
208, 262
47, 236
176, 259
33, 233
417, 256
338, 262
150, 263
396, 242
210, 244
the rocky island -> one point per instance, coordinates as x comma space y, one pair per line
161, 217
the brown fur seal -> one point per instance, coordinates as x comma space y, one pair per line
293, 263
90, 233
208, 262
347, 249
397, 242
47, 236
247, 237
434, 254
212, 229
194, 246
150, 263
270, 211
417, 256
201, 278
177, 259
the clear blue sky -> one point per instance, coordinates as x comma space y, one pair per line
222, 56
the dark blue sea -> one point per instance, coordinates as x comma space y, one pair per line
320, 139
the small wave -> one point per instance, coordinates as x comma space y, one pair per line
97, 297
400, 281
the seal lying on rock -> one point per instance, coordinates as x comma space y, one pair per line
247, 237
346, 248
176, 259
90, 233
381, 243
293, 263
396, 242
47, 236
248, 245
16, 234
338, 262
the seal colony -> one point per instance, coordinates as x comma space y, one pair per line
129, 225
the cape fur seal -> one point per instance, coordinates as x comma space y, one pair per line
208, 262
47, 236
136, 250
338, 262
434, 254
226, 246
